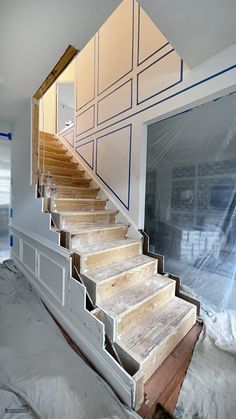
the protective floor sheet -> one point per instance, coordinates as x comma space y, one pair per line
209, 389
39, 373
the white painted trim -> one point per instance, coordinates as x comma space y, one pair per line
56, 248
62, 301
35, 272
82, 342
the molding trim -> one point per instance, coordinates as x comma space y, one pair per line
129, 163
119, 113
94, 73
93, 123
50, 290
151, 55
51, 245
185, 89
92, 141
166, 88
132, 64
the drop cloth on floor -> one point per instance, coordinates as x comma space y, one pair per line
209, 389
38, 369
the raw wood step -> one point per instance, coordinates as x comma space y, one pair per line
73, 192
70, 181
99, 255
64, 157
52, 149
83, 204
107, 281
58, 163
96, 234
61, 171
153, 338
72, 219
131, 305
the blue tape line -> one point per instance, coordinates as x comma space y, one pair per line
8, 135
11, 240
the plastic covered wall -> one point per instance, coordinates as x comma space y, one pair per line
190, 213
4, 197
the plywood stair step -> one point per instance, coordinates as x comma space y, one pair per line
154, 337
57, 157
57, 170
58, 163
76, 192
134, 303
77, 204
107, 281
95, 256
89, 235
75, 218
59, 149
69, 180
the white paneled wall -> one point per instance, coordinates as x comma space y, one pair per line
127, 76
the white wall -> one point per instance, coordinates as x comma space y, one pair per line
129, 75
27, 211
48, 104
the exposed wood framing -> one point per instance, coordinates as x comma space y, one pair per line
66, 58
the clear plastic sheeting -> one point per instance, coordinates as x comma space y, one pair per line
190, 212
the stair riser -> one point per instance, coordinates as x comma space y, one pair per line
79, 194
107, 257
57, 157
90, 219
129, 319
54, 150
111, 287
160, 354
63, 206
58, 163
80, 182
63, 171
98, 237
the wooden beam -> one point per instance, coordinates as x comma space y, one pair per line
66, 58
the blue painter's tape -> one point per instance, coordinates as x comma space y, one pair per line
11, 212
8, 135
11, 240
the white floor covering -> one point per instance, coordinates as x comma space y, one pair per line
38, 369
209, 389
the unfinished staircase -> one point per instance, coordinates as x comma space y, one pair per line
144, 319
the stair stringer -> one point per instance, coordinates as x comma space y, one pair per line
113, 204
86, 330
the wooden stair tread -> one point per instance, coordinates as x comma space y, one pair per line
66, 177
83, 212
80, 199
77, 188
97, 248
148, 335
104, 273
83, 228
135, 294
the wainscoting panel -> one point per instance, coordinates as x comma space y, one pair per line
69, 137
115, 46
52, 277
85, 120
115, 103
150, 38
16, 246
86, 151
113, 161
86, 75
29, 257
164, 73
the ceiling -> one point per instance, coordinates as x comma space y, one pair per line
34, 35
197, 29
